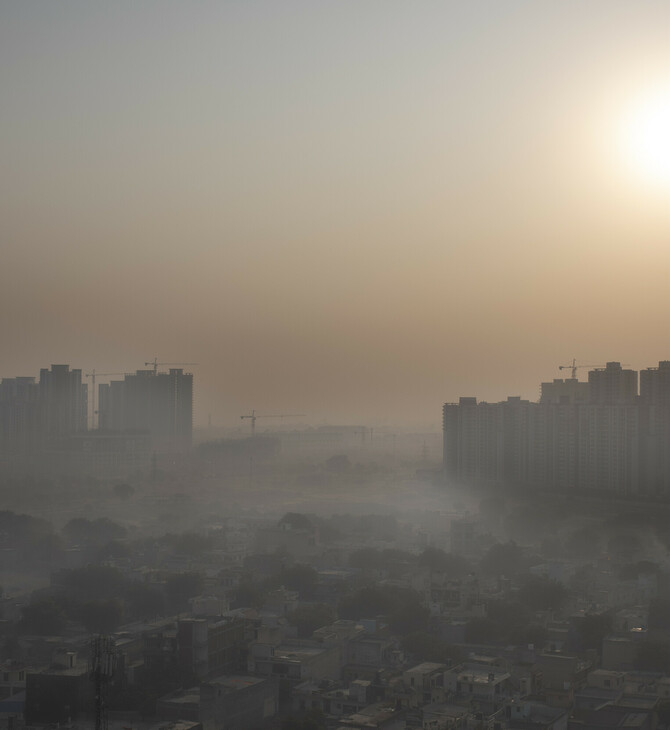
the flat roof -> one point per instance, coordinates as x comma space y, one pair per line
236, 681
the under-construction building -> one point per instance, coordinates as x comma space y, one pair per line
150, 401
600, 436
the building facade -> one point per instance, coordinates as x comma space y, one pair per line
154, 402
596, 436
63, 403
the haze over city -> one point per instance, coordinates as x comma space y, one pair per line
356, 211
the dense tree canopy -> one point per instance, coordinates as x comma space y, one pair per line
82, 531
425, 647
502, 559
455, 566
542, 594
180, 587
308, 619
402, 607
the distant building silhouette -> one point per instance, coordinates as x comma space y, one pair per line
564, 392
655, 418
43, 425
63, 403
38, 419
612, 384
20, 431
598, 436
159, 403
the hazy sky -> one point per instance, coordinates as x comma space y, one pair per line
351, 209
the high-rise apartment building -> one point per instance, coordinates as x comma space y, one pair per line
612, 384
563, 392
598, 436
655, 427
655, 384
63, 403
20, 431
158, 403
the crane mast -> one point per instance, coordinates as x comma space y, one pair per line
253, 416
93, 375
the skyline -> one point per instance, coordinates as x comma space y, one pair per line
352, 211
95, 381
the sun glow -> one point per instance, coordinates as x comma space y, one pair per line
646, 136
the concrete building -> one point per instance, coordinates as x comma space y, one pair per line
209, 646
612, 384
227, 702
596, 436
63, 403
152, 401
19, 416
58, 696
296, 660
488, 686
38, 418
564, 392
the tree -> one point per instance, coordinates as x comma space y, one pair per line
653, 656
481, 631
535, 634
248, 595
659, 613
426, 647
93, 532
101, 617
624, 546
402, 607
299, 577
94, 582
124, 490
366, 559
310, 720
542, 594
339, 464
23, 529
384, 527
44, 617
393, 561
189, 543
182, 586
308, 619
113, 550
502, 559
143, 601
643, 567
592, 629
585, 542
437, 560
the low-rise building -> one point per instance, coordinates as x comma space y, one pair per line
228, 702
297, 660
486, 685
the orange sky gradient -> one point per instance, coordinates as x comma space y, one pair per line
355, 211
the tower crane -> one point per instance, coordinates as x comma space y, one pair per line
154, 363
93, 375
573, 368
253, 416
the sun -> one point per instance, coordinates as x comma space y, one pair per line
646, 136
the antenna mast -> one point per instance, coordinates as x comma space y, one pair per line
102, 662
